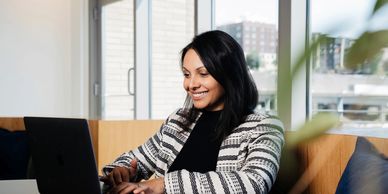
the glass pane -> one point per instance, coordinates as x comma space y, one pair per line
359, 96
117, 38
254, 24
172, 29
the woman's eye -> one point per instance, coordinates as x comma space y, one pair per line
186, 74
204, 74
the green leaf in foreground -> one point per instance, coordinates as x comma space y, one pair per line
320, 123
379, 4
366, 47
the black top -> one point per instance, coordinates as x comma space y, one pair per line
200, 152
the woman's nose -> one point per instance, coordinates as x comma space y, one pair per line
194, 83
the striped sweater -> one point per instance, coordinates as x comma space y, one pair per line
248, 160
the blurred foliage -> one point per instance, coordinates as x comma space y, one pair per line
379, 4
367, 47
313, 128
373, 67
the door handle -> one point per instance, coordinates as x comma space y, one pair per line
130, 91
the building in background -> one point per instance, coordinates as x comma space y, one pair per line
258, 40
330, 56
358, 95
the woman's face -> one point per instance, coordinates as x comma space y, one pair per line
203, 89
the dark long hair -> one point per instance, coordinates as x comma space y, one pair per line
224, 59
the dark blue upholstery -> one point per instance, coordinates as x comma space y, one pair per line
14, 154
366, 171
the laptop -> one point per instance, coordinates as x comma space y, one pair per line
62, 155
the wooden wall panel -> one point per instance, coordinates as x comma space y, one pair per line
327, 158
117, 137
93, 129
12, 123
321, 154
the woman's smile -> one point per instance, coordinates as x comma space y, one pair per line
198, 95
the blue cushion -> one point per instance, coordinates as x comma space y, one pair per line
14, 154
366, 171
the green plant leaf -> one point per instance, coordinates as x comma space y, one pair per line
303, 58
379, 4
317, 125
366, 47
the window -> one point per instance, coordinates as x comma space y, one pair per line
172, 29
117, 60
358, 96
253, 16
148, 47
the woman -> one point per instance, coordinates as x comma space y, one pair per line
216, 143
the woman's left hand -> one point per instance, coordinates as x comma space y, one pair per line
154, 186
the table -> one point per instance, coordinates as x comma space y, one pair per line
23, 186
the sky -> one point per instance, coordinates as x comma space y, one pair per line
346, 18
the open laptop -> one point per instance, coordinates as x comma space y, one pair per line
62, 155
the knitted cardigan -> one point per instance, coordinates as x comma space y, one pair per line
248, 160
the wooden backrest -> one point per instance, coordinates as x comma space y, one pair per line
12, 123
117, 137
327, 157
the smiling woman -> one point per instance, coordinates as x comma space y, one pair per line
216, 143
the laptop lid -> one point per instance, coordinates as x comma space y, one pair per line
62, 155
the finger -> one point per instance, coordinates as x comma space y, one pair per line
134, 163
104, 179
107, 179
125, 175
117, 177
141, 189
111, 179
133, 168
127, 188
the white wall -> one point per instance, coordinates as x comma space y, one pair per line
43, 58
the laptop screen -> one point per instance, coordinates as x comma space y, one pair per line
62, 155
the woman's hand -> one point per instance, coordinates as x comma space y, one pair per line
154, 186
120, 174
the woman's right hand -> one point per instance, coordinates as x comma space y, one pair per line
120, 174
